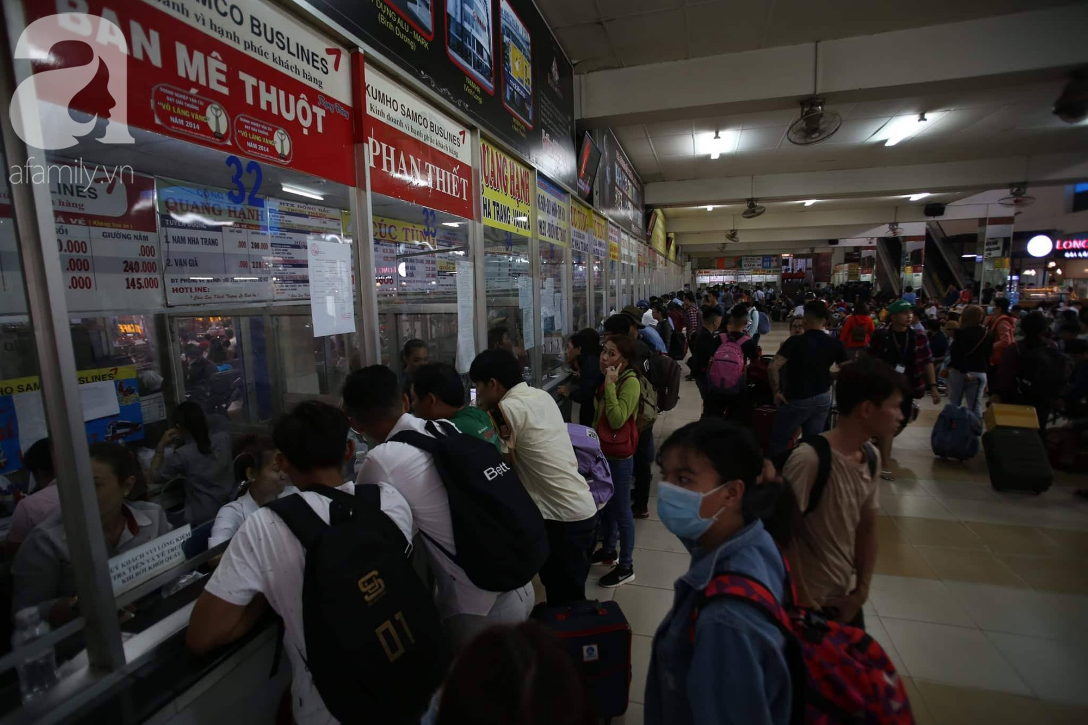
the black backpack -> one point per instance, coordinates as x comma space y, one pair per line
374, 642
1043, 374
822, 446
500, 536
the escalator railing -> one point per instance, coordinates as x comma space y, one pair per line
942, 270
888, 256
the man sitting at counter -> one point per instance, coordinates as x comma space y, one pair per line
43, 572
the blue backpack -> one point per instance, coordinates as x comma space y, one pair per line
592, 463
764, 323
956, 433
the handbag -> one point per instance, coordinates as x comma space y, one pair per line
621, 442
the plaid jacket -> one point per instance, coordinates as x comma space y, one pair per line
885, 346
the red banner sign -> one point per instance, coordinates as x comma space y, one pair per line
241, 77
415, 153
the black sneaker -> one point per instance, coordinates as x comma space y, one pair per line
640, 513
600, 556
617, 577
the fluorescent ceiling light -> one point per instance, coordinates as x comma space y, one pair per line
717, 143
809, 202
968, 256
901, 128
917, 197
301, 192
451, 224
710, 208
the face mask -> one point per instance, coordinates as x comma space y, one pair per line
679, 510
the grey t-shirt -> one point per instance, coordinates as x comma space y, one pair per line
43, 569
208, 477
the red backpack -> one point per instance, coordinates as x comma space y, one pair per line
840, 674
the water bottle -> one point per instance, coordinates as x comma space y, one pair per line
39, 673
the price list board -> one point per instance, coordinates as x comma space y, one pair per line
218, 250
106, 237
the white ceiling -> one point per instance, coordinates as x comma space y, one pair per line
726, 212
600, 34
962, 126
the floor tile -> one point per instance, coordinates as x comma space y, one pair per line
644, 607
952, 655
959, 489
1054, 670
901, 488
874, 627
921, 600
950, 705
633, 716
1007, 539
651, 505
902, 560
994, 512
641, 648
1056, 575
650, 534
1023, 611
924, 506
917, 703
595, 590
659, 569
970, 566
1075, 542
889, 532
933, 532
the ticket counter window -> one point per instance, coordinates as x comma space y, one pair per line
579, 298
600, 291
419, 254
553, 311
509, 295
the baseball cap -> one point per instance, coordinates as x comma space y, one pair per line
900, 306
643, 304
634, 313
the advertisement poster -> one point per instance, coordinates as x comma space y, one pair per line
507, 191
111, 410
616, 252
601, 249
220, 251
241, 77
581, 229
619, 189
414, 152
109, 247
552, 213
495, 60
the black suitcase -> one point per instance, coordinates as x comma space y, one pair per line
598, 638
1017, 460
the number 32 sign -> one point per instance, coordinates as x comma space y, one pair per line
238, 193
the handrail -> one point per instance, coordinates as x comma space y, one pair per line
889, 269
939, 239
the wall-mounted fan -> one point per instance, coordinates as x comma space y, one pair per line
1018, 196
753, 210
893, 230
815, 124
732, 236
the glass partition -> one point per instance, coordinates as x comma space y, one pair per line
553, 237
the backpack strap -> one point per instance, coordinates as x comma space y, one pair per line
416, 440
870, 457
823, 469
303, 521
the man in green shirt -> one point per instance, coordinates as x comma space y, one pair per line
437, 392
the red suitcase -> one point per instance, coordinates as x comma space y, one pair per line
762, 424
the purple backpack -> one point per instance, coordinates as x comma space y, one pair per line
592, 463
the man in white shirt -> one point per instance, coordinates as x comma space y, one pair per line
536, 434
758, 294
376, 407
264, 563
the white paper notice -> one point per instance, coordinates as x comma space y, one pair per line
466, 340
525, 302
99, 400
134, 567
153, 408
331, 303
31, 419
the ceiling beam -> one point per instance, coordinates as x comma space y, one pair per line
803, 219
795, 247
980, 175
933, 59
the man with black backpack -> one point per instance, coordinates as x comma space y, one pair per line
378, 408
834, 478
359, 627
1033, 371
536, 435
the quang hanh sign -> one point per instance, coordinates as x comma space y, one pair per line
506, 191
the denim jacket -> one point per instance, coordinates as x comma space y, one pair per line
736, 671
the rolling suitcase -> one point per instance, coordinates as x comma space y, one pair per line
1017, 460
762, 425
955, 434
598, 638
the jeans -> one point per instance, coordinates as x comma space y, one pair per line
808, 414
567, 566
644, 461
616, 516
512, 607
960, 388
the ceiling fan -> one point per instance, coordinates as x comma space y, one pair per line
815, 124
893, 230
1018, 196
753, 210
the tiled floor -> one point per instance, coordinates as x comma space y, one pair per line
980, 598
